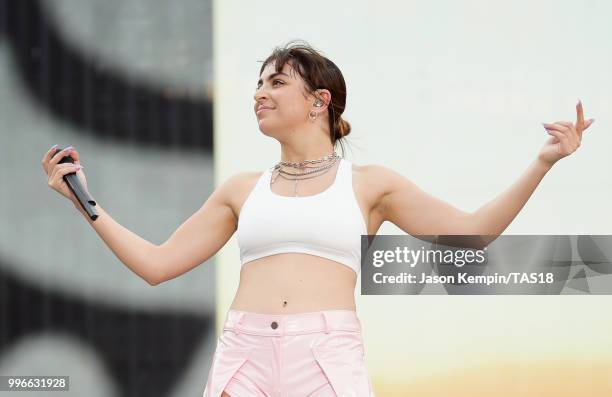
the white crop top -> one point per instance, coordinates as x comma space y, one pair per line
328, 224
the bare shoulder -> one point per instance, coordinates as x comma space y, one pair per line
375, 176
373, 182
237, 187
370, 169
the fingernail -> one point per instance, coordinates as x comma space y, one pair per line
69, 148
54, 146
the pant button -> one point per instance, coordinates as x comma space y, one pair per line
274, 325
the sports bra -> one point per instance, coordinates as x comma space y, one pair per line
328, 224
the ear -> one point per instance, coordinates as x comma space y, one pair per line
323, 95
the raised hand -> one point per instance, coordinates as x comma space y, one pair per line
565, 137
55, 172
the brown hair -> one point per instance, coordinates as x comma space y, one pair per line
318, 72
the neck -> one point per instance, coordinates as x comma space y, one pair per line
298, 155
307, 142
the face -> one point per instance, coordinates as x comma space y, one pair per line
284, 99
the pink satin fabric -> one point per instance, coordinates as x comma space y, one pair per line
316, 354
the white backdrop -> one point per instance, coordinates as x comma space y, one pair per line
452, 95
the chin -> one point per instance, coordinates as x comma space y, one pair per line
266, 129
265, 132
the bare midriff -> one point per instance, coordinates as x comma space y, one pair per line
290, 283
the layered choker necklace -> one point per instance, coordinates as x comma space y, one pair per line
306, 171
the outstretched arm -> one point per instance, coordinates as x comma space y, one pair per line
494, 217
195, 241
418, 213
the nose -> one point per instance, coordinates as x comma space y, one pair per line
259, 94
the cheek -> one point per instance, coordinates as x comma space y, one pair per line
290, 102
293, 108
289, 107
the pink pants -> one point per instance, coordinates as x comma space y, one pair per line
316, 354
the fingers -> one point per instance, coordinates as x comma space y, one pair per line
588, 123
60, 170
75, 155
563, 141
569, 130
564, 127
579, 117
53, 157
69, 151
47, 157
559, 135
568, 134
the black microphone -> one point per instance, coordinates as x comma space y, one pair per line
82, 195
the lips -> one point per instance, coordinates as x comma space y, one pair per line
261, 109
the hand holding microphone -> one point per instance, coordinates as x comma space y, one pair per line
68, 178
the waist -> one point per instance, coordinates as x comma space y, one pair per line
291, 324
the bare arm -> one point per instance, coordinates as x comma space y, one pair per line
418, 213
196, 240
134, 251
494, 217
415, 211
201, 236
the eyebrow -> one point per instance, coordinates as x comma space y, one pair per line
273, 75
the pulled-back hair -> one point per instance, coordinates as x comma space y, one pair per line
318, 72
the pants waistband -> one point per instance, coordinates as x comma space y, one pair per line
291, 324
